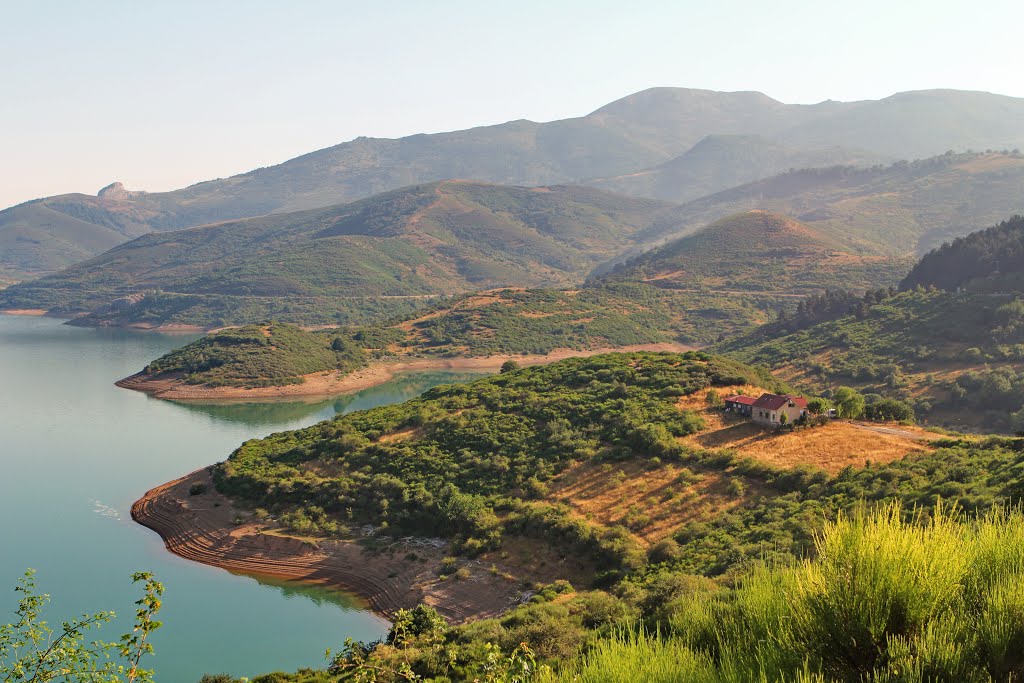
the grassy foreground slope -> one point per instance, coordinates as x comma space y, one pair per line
443, 238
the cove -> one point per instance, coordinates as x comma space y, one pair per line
76, 451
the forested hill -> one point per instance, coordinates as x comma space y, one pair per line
759, 251
905, 208
631, 135
996, 253
956, 353
308, 266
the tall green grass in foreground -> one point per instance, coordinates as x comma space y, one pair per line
884, 600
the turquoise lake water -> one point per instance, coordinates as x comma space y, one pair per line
76, 451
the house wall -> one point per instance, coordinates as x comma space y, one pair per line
771, 417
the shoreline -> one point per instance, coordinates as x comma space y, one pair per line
23, 311
205, 528
333, 382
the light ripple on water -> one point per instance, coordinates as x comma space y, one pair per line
104, 510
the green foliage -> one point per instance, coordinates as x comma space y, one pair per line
258, 355
885, 599
997, 252
895, 345
889, 410
31, 650
473, 447
849, 403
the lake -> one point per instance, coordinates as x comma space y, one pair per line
76, 451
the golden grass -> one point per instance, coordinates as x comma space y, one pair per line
401, 435
698, 401
651, 501
830, 447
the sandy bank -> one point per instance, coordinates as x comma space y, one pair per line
207, 528
23, 311
332, 383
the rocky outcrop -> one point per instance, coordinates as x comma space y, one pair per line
118, 191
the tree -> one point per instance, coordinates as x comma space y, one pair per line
783, 419
509, 366
849, 402
889, 409
714, 399
818, 406
31, 651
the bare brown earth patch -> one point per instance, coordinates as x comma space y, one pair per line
650, 501
208, 528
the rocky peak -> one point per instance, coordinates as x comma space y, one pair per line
118, 191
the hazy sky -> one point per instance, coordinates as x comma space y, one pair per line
163, 94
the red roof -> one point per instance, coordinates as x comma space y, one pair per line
744, 400
775, 401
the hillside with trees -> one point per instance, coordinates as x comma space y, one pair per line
990, 260
495, 322
905, 208
956, 354
760, 251
347, 262
665, 579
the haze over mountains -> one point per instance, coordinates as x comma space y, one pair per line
661, 135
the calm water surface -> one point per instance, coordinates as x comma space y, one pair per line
76, 451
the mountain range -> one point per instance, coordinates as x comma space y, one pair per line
662, 134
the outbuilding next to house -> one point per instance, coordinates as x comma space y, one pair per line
741, 405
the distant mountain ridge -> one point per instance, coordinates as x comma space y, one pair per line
638, 132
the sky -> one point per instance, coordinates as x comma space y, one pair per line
160, 95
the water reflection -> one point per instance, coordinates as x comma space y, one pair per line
322, 597
284, 413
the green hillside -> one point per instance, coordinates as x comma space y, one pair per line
759, 251
957, 354
258, 355
332, 265
715, 550
905, 208
497, 322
